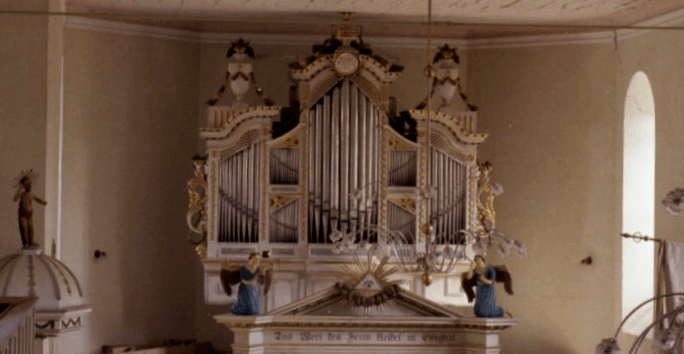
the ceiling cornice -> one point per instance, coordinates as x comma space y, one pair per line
599, 37
95, 24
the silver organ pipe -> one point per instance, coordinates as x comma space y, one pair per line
334, 181
326, 182
245, 194
318, 188
360, 192
312, 170
371, 167
284, 165
346, 137
250, 189
239, 195
344, 155
401, 220
447, 211
255, 193
283, 223
375, 150
402, 165
444, 193
353, 158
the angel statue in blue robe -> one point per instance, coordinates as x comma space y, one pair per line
249, 276
483, 278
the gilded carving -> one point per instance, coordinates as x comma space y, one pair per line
242, 116
405, 203
291, 142
486, 216
368, 283
278, 202
457, 121
197, 209
396, 144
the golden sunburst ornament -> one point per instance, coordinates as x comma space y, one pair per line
367, 284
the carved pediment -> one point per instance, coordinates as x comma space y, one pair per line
333, 303
367, 290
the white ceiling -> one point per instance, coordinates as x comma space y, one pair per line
400, 17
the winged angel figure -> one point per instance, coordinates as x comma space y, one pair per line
484, 277
249, 276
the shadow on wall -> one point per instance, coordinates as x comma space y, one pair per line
209, 330
206, 327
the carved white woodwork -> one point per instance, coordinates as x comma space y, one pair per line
240, 82
280, 181
325, 323
446, 88
60, 307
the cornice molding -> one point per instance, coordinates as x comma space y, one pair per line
669, 19
100, 25
95, 24
541, 40
308, 40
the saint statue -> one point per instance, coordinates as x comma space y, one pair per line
25, 199
484, 277
249, 276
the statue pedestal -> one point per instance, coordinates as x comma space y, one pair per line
325, 323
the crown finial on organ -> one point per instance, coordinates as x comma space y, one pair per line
347, 33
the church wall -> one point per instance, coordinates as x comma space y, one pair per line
554, 128
132, 106
658, 54
23, 103
555, 115
129, 135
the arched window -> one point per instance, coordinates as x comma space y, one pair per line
638, 200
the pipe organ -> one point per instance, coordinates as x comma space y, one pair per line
338, 159
343, 131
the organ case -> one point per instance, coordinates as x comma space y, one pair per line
338, 160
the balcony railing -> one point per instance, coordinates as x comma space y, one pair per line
17, 330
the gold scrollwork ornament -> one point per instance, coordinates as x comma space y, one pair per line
197, 209
486, 216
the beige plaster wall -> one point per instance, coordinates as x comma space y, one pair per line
659, 55
129, 135
554, 115
23, 107
555, 143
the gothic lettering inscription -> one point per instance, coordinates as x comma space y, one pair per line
439, 338
341, 337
